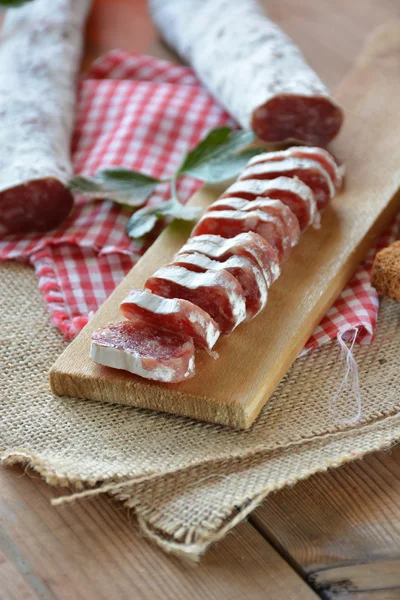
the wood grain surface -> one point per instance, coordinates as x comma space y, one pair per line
341, 529
99, 542
233, 389
93, 551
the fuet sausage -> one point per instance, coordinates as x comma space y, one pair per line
252, 67
40, 50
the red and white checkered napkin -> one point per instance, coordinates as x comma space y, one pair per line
142, 113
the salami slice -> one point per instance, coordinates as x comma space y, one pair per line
40, 51
251, 245
217, 292
272, 207
252, 67
229, 223
308, 171
289, 190
173, 314
145, 350
249, 275
322, 156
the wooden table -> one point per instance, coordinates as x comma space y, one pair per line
336, 534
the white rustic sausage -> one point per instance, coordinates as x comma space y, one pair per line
252, 67
229, 223
323, 157
40, 50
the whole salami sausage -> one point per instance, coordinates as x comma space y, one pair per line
252, 67
40, 49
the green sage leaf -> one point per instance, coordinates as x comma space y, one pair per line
218, 156
121, 185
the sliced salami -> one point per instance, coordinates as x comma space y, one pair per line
40, 51
173, 314
217, 292
145, 350
322, 156
251, 245
252, 67
229, 223
289, 190
308, 171
272, 207
249, 275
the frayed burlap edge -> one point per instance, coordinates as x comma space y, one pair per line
191, 542
186, 509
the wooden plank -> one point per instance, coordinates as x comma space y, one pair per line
228, 391
91, 551
12, 583
341, 529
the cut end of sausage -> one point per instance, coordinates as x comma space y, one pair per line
144, 350
38, 205
312, 120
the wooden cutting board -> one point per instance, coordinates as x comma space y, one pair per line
233, 389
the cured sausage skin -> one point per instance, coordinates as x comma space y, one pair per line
252, 67
40, 51
250, 245
172, 313
298, 196
308, 171
145, 350
248, 274
217, 292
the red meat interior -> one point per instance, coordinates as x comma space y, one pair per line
144, 340
36, 206
315, 121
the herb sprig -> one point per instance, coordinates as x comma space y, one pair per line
221, 155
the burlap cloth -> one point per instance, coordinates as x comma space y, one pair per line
188, 482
